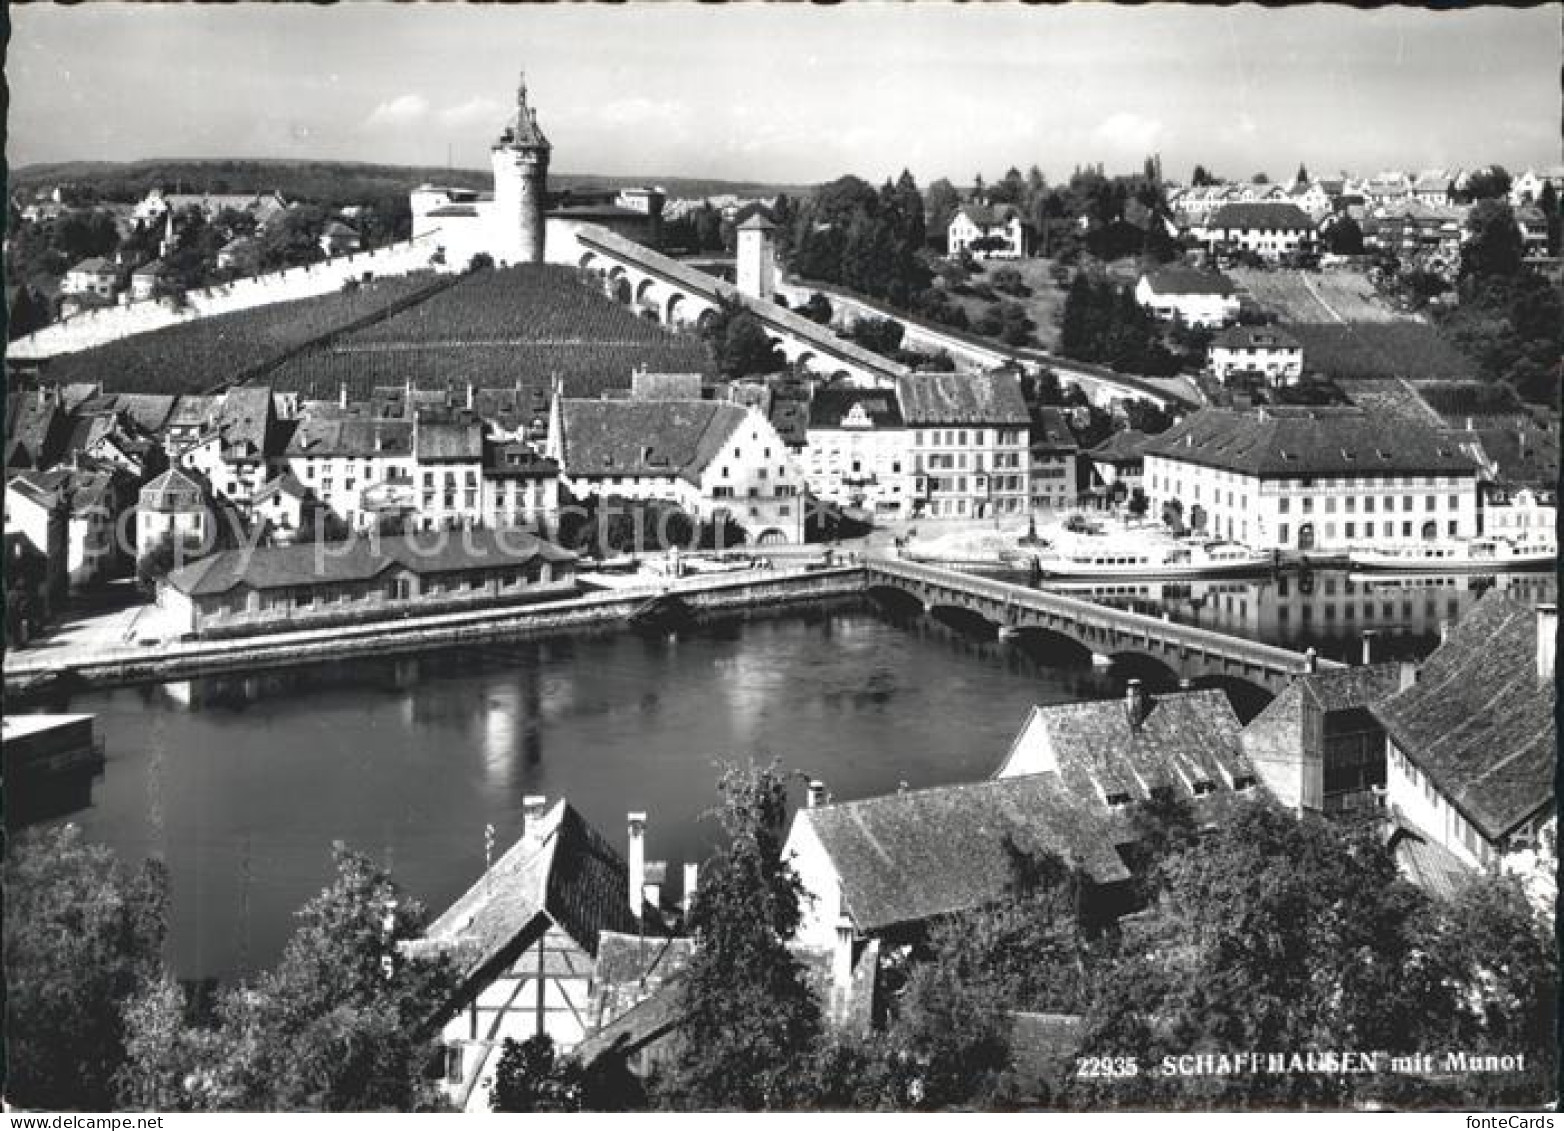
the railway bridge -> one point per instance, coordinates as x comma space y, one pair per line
1017, 612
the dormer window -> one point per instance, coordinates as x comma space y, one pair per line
1118, 800
1244, 782
1204, 787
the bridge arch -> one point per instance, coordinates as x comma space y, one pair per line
619, 288
671, 312
1247, 697
643, 291
589, 261
1051, 648
968, 622
1156, 674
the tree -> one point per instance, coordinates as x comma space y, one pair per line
882, 335
1344, 237
817, 308
1200, 178
942, 204
1495, 247
751, 1018
1492, 183
1549, 203
530, 1077
346, 1020
83, 937
739, 342
1302, 177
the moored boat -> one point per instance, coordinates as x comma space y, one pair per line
1095, 558
1472, 555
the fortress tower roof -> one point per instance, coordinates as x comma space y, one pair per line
522, 131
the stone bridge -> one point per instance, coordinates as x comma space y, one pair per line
678, 295
1109, 634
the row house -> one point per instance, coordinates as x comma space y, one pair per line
1261, 352
1292, 478
520, 486
175, 506
1428, 235
1472, 744
855, 451
1202, 299
1270, 230
971, 438
239, 444
998, 233
73, 514
707, 457
1055, 462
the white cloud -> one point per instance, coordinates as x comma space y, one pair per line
402, 110
475, 111
1128, 132
640, 112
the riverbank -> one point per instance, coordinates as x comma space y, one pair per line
50, 667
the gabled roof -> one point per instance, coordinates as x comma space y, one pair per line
831, 407
192, 410
964, 398
1188, 281
285, 484
1254, 337
633, 438
277, 567
96, 265
437, 441
908, 857
985, 216
169, 490
1187, 742
1479, 719
1051, 431
351, 437
560, 872
150, 411
1128, 445
1262, 214
1294, 441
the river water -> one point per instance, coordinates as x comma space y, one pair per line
240, 785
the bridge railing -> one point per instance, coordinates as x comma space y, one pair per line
1090, 614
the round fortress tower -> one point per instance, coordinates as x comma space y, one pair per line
520, 159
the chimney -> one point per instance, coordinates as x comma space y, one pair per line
533, 807
816, 794
1311, 660
1547, 639
1368, 645
842, 956
342, 394
1444, 631
692, 879
652, 884
1135, 702
469, 394
1406, 675
637, 870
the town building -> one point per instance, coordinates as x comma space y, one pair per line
988, 233
337, 238
707, 457
361, 468
173, 507
525, 940
158, 204
1472, 743
1201, 299
1055, 460
38, 428
86, 500
1533, 225
520, 487
855, 452
1421, 235
1118, 466
971, 436
1291, 478
277, 588
146, 281
1527, 187
1270, 229
284, 508
236, 448
95, 276
1317, 745
241, 254
39, 515
1262, 353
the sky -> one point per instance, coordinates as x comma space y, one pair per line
794, 93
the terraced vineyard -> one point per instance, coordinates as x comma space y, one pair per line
1317, 296
195, 356
1381, 349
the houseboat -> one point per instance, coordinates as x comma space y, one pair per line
1473, 555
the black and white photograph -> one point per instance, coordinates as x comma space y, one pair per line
781, 557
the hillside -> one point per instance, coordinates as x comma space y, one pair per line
329, 182
520, 326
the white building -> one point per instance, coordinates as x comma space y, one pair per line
970, 444
95, 276
707, 457
1269, 229
1527, 188
172, 506
234, 451
1289, 478
1472, 743
1262, 351
1055, 458
1001, 226
856, 451
1196, 298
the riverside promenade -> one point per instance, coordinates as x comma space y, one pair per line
52, 665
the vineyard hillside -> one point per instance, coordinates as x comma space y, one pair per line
521, 326
198, 355
1330, 297
1381, 349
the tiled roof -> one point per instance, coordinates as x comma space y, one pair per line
447, 210
830, 407
149, 410
667, 438
245, 418
436, 441
907, 857
1262, 214
791, 420
630, 968
1187, 742
1479, 720
1344, 689
1125, 446
1255, 337
168, 491
285, 484
518, 460
563, 869
1291, 441
351, 437
962, 398
1520, 457
277, 567
1188, 281
1051, 431
1426, 862
193, 410
96, 265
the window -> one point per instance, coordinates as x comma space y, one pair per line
1454, 526
1430, 502
1283, 504
1406, 502
1352, 504
1352, 530
1455, 502
1368, 506
1406, 530
1282, 534
1368, 530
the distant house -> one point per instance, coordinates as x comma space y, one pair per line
525, 939
1202, 299
337, 238
146, 280
1431, 187
276, 588
1316, 198
709, 458
520, 486
998, 233
85, 500
1527, 188
1054, 459
1269, 229
285, 505
1119, 462
1533, 225
172, 506
1260, 351
95, 276
1472, 744
1317, 745
242, 253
